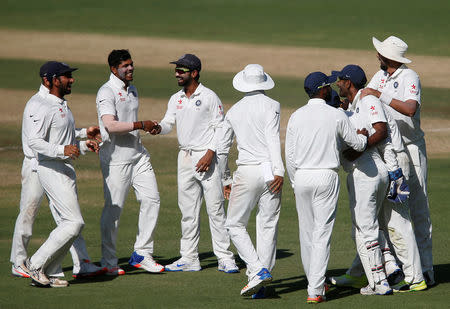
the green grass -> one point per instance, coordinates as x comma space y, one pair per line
160, 84
350, 24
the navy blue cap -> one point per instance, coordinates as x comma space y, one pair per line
315, 81
54, 69
335, 99
352, 72
189, 61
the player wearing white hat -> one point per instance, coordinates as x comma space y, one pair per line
255, 121
314, 137
398, 87
125, 163
32, 193
198, 114
53, 140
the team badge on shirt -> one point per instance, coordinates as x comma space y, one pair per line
395, 85
357, 109
198, 103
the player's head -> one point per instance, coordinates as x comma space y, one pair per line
187, 69
350, 79
335, 101
390, 52
121, 65
317, 85
58, 77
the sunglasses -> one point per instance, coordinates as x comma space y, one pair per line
182, 70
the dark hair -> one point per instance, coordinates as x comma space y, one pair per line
117, 56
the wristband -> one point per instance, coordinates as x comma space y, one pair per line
385, 98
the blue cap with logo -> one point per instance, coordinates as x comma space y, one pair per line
54, 69
190, 61
315, 81
352, 72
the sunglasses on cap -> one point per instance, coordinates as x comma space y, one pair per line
181, 70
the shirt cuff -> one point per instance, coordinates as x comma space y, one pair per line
385, 98
60, 151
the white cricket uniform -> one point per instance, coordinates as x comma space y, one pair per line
403, 85
255, 120
124, 162
367, 183
314, 138
32, 191
198, 119
54, 128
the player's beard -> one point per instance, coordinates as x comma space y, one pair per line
122, 72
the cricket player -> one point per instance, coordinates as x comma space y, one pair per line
125, 162
52, 138
198, 114
399, 88
314, 136
255, 121
32, 193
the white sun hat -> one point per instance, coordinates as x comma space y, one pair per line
392, 48
252, 78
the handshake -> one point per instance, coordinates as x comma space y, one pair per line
148, 126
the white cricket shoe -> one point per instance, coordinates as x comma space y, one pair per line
145, 262
262, 278
88, 269
56, 282
38, 277
381, 288
228, 266
183, 264
20, 271
114, 271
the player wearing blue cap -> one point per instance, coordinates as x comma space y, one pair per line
314, 136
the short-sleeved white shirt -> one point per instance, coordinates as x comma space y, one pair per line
114, 99
197, 118
403, 85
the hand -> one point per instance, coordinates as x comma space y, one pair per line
71, 151
370, 91
148, 125
92, 145
227, 191
93, 133
205, 161
276, 184
363, 131
156, 128
351, 154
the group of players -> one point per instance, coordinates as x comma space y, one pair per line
374, 132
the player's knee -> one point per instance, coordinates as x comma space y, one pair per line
74, 228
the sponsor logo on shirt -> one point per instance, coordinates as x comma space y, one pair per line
374, 112
63, 115
179, 102
413, 89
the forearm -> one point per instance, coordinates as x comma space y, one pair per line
43, 147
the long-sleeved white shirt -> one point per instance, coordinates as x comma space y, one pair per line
113, 99
255, 120
314, 137
198, 119
403, 85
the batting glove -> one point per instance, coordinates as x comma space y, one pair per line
398, 188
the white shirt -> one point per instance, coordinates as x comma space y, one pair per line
365, 112
197, 118
114, 99
314, 136
255, 120
403, 85
53, 128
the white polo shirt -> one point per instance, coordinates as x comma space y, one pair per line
197, 118
314, 137
114, 99
255, 120
53, 128
403, 85
365, 112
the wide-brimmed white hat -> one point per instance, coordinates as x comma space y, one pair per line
252, 78
392, 48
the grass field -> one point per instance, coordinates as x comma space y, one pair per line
326, 24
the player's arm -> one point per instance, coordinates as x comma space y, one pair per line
272, 135
381, 133
167, 123
356, 140
290, 145
112, 125
226, 135
408, 107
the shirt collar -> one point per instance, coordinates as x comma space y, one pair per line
255, 92
316, 101
55, 100
356, 99
43, 90
398, 71
196, 92
117, 82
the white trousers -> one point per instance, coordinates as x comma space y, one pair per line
30, 199
59, 182
117, 180
316, 197
247, 191
367, 187
418, 202
192, 188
